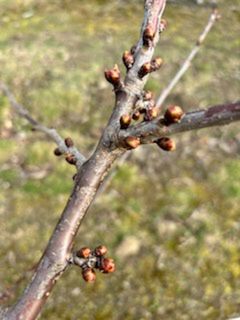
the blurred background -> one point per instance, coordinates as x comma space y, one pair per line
171, 221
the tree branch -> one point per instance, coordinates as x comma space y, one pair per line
187, 63
90, 176
50, 132
213, 116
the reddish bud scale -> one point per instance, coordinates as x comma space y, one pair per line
173, 114
151, 114
84, 252
125, 121
145, 69
148, 36
100, 251
113, 75
107, 265
89, 275
128, 59
69, 142
57, 152
156, 64
132, 142
166, 144
71, 159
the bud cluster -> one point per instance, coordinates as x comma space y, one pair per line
149, 67
69, 157
89, 260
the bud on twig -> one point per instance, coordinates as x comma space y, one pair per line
151, 114
57, 152
71, 159
156, 64
166, 144
128, 59
144, 70
148, 36
173, 114
89, 275
69, 142
107, 265
83, 252
132, 142
125, 121
136, 116
100, 251
113, 75
163, 25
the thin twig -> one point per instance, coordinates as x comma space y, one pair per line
50, 132
187, 63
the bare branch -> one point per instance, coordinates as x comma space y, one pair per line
57, 255
213, 116
187, 63
50, 132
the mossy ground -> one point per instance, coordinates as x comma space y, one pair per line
176, 215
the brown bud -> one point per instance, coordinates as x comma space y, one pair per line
107, 265
57, 152
113, 75
156, 63
69, 142
125, 121
89, 275
173, 114
163, 25
145, 69
148, 95
71, 159
83, 252
166, 144
100, 251
128, 59
148, 36
132, 142
136, 116
151, 114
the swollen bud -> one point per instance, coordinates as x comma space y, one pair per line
71, 159
69, 142
148, 36
156, 64
89, 275
57, 152
173, 114
107, 265
83, 252
136, 115
132, 142
128, 59
145, 69
166, 144
125, 121
113, 75
151, 114
100, 251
